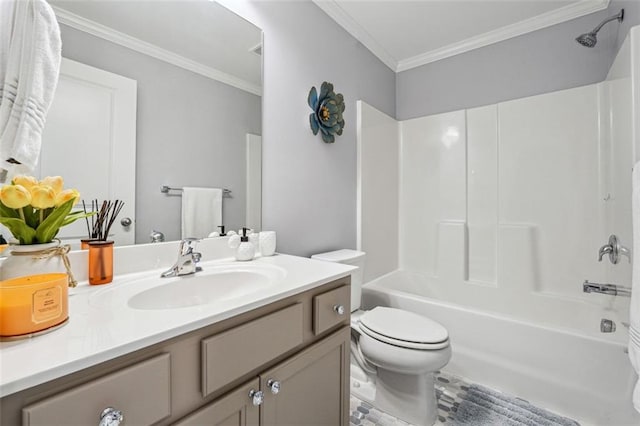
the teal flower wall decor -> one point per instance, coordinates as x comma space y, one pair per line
327, 112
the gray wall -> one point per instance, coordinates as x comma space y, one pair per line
309, 187
538, 62
631, 19
190, 131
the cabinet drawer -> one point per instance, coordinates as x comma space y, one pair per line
229, 355
325, 312
141, 392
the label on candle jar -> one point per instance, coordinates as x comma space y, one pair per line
46, 304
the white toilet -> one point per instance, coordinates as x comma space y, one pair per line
394, 353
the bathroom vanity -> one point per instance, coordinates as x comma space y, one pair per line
278, 356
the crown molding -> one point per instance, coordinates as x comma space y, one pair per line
563, 14
91, 27
338, 14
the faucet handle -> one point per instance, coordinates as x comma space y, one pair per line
156, 236
606, 249
614, 249
187, 245
625, 252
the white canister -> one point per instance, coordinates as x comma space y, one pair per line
267, 243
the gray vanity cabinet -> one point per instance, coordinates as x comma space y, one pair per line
310, 388
285, 363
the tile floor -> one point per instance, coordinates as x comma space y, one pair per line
449, 391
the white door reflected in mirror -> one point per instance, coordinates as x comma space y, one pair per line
90, 140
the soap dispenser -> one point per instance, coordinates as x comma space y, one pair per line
246, 250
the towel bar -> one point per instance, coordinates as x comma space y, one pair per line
165, 190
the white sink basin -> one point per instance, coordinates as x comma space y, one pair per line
213, 284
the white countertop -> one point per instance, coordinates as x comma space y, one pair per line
97, 332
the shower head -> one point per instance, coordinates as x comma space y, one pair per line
589, 39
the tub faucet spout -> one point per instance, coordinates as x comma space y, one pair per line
610, 289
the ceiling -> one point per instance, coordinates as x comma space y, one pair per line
406, 34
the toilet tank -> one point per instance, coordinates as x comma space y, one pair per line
349, 257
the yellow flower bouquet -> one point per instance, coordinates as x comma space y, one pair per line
34, 211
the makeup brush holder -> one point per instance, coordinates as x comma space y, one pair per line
84, 243
100, 262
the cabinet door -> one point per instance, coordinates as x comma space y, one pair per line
313, 386
234, 409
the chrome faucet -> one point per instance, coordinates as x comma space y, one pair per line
156, 236
187, 260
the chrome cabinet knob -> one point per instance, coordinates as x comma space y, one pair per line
274, 386
126, 221
257, 397
339, 309
111, 417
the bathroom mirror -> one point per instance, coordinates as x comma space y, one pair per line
195, 68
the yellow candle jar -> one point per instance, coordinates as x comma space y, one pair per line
33, 303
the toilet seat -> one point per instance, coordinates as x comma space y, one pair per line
404, 329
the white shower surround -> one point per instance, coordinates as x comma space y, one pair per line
501, 213
508, 204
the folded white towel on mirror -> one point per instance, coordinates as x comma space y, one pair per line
634, 332
29, 67
201, 211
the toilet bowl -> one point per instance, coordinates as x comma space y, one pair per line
398, 351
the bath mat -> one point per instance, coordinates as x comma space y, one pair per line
484, 407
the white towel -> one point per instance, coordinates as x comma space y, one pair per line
201, 211
634, 330
29, 67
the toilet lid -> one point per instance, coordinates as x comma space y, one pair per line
403, 328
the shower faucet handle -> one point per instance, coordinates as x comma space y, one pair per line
606, 249
614, 249
623, 251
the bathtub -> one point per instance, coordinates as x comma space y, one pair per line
571, 372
